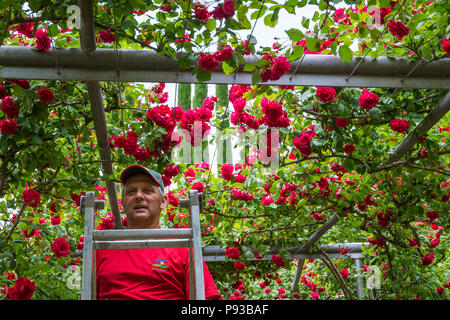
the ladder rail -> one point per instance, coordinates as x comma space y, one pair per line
143, 238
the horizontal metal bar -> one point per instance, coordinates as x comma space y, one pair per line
295, 256
216, 253
147, 66
140, 244
142, 234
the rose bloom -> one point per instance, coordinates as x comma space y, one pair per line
305, 149
326, 94
106, 36
224, 53
43, 42
31, 197
398, 29
45, 95
280, 67
233, 253
432, 215
227, 171
341, 122
23, 289
228, 8
8, 127
399, 126
201, 13
368, 100
349, 148
344, 273
239, 266
208, 62
9, 108
427, 259
446, 45
60, 247
198, 186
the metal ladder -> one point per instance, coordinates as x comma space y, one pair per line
142, 238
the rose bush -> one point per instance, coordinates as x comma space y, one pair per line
333, 144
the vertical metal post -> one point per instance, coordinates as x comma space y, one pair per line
359, 284
197, 244
298, 274
88, 279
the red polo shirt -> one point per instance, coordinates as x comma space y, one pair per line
147, 274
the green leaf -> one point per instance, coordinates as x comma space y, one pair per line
249, 67
348, 164
295, 34
256, 77
203, 75
312, 44
36, 140
345, 53
228, 67
296, 54
210, 24
270, 20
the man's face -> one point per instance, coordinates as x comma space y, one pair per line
142, 202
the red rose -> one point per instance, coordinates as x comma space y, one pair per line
440, 290
201, 13
344, 273
141, 154
198, 186
106, 223
432, 215
349, 148
446, 45
208, 62
228, 8
171, 170
24, 84
43, 42
233, 253
398, 29
46, 95
8, 127
368, 100
427, 259
23, 289
280, 67
278, 261
399, 125
9, 108
3, 93
55, 220
305, 149
227, 171
203, 114
341, 122
272, 109
239, 104
239, 266
224, 53
326, 94
31, 197
106, 36
60, 247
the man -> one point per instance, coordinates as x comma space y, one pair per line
146, 274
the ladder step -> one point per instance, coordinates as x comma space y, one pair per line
142, 234
140, 244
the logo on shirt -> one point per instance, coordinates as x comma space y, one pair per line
160, 264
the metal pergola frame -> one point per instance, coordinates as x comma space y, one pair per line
94, 65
